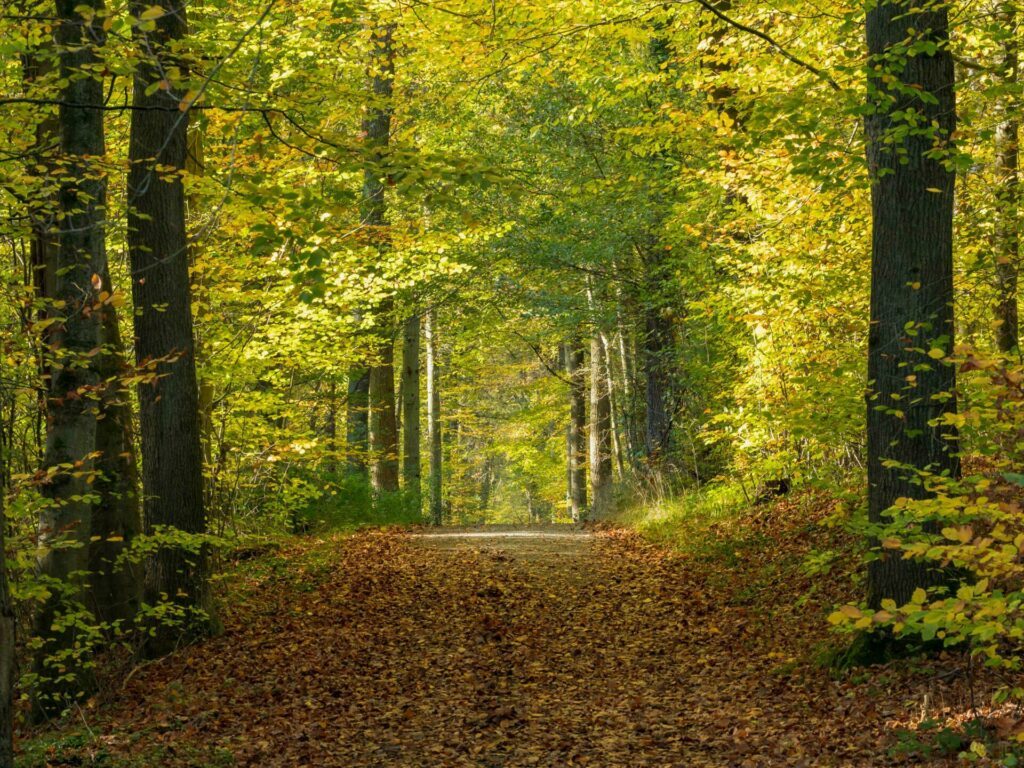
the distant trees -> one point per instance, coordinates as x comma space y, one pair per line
1007, 149
601, 498
577, 434
910, 388
433, 417
410, 389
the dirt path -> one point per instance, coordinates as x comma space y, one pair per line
491, 649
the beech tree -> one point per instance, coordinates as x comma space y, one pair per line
172, 457
600, 434
410, 388
910, 124
577, 434
383, 425
78, 267
436, 508
1007, 148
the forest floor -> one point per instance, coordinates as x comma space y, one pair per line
502, 648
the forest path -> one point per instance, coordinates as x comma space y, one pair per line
487, 649
535, 542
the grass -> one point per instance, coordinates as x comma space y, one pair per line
684, 522
84, 749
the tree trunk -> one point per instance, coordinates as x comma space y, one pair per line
1007, 190
331, 428
8, 661
628, 390
195, 167
600, 434
114, 589
577, 430
357, 420
172, 460
486, 481
433, 417
411, 471
614, 404
911, 274
377, 138
383, 424
656, 343
71, 413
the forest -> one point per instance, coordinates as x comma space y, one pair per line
507, 383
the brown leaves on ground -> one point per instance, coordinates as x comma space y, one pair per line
380, 650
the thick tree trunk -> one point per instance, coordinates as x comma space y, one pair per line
433, 418
577, 438
80, 262
911, 275
600, 434
357, 420
1007, 191
411, 471
172, 460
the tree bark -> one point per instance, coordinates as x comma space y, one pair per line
614, 404
114, 588
911, 273
656, 343
600, 434
377, 137
433, 418
411, 470
172, 459
577, 437
357, 423
383, 423
8, 661
80, 262
1007, 191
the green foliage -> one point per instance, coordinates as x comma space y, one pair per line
971, 528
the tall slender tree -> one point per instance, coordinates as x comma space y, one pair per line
8, 662
411, 471
911, 78
357, 423
577, 436
433, 417
1008, 187
600, 433
172, 460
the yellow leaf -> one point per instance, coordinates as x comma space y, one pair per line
936, 354
919, 596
